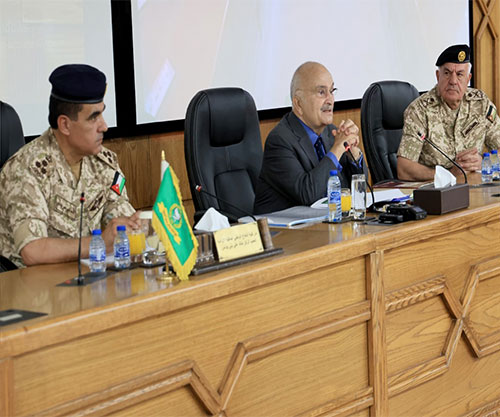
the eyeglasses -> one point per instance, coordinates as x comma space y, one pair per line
323, 92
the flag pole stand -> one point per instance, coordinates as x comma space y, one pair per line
167, 275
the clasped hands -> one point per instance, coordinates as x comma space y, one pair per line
348, 132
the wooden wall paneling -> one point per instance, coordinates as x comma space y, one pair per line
265, 127
486, 47
135, 161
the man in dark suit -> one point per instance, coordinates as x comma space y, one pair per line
302, 149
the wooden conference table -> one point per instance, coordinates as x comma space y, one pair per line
397, 320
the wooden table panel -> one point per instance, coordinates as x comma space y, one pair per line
351, 319
466, 385
455, 251
288, 382
417, 334
218, 325
181, 402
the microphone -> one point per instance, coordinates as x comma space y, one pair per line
422, 137
80, 278
348, 149
201, 190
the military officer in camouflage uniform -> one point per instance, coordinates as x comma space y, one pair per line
460, 120
41, 185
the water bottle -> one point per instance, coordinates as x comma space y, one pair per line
97, 252
486, 175
122, 248
334, 198
495, 165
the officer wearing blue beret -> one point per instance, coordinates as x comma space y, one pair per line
41, 185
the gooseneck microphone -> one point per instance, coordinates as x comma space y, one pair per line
201, 190
422, 137
80, 278
348, 149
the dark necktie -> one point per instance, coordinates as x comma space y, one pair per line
320, 148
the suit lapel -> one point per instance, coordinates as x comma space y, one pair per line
303, 139
327, 137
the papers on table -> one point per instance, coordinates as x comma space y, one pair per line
292, 216
394, 196
318, 211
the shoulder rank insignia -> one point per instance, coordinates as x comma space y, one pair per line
492, 113
118, 183
41, 166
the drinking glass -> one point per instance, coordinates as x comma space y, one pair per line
137, 239
345, 201
358, 193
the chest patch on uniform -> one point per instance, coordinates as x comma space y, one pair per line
470, 127
118, 183
96, 203
492, 113
65, 207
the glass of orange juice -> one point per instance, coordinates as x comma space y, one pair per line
137, 239
345, 201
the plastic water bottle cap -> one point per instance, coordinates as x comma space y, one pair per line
486, 154
121, 228
333, 172
494, 152
96, 232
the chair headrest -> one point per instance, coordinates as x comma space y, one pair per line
228, 110
396, 96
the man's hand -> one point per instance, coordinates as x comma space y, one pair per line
348, 132
469, 160
109, 233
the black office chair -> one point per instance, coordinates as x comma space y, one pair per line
11, 132
382, 108
223, 150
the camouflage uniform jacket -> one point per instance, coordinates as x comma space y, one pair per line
40, 196
473, 125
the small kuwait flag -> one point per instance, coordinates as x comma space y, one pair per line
118, 183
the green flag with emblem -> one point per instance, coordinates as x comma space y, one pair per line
172, 227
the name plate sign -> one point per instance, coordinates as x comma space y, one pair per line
238, 241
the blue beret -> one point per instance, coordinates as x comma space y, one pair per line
78, 83
456, 54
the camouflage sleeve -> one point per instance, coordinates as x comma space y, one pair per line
492, 139
116, 206
410, 146
27, 211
